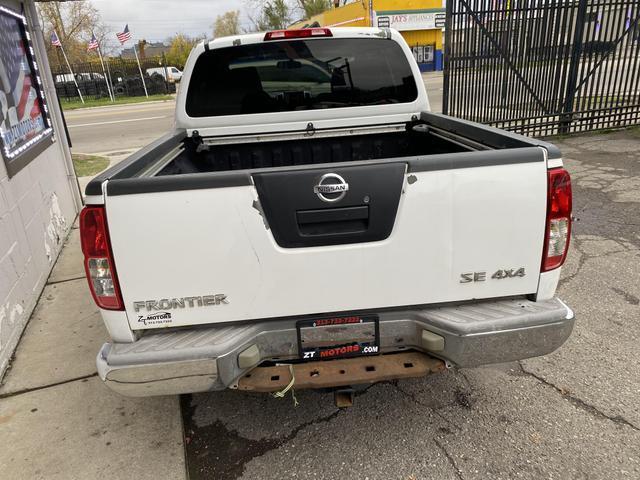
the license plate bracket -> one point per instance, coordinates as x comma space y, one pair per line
338, 337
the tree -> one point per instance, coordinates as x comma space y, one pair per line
314, 7
227, 24
273, 15
74, 23
179, 48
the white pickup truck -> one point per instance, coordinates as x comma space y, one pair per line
310, 223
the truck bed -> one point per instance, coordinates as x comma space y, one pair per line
425, 195
307, 151
175, 161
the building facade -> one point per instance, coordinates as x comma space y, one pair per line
39, 195
420, 22
146, 50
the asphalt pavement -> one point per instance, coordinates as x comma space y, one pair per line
120, 128
433, 84
573, 414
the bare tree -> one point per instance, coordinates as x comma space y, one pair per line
74, 23
227, 24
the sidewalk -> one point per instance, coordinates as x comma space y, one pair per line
57, 420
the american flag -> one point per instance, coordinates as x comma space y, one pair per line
93, 44
55, 41
125, 35
19, 100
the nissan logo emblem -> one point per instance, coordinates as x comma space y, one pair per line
331, 188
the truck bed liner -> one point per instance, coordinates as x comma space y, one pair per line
167, 154
220, 158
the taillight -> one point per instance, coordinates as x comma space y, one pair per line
98, 258
300, 33
558, 231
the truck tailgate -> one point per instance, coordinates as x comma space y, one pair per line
403, 234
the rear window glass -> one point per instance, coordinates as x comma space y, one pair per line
311, 74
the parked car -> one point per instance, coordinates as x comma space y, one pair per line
170, 74
324, 232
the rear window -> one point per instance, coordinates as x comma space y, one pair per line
311, 74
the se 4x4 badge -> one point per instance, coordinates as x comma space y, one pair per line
498, 275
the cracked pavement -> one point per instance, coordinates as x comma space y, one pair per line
572, 414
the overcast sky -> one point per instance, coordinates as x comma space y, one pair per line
155, 20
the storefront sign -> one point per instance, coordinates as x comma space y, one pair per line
411, 20
24, 121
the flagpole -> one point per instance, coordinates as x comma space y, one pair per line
113, 93
70, 71
106, 79
140, 69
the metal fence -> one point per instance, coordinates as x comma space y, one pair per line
543, 67
122, 74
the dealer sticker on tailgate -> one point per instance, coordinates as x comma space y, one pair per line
338, 337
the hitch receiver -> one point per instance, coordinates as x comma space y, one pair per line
343, 397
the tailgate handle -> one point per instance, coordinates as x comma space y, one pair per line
331, 221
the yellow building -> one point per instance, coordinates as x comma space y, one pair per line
419, 21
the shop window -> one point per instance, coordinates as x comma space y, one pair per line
423, 53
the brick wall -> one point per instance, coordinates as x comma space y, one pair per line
36, 212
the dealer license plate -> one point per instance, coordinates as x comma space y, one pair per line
338, 337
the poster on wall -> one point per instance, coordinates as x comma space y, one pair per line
423, 53
24, 122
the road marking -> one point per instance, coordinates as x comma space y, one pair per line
116, 121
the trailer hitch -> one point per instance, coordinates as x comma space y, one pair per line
342, 373
343, 397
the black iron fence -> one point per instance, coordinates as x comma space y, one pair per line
543, 67
121, 74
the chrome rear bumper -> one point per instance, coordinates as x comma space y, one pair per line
202, 359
